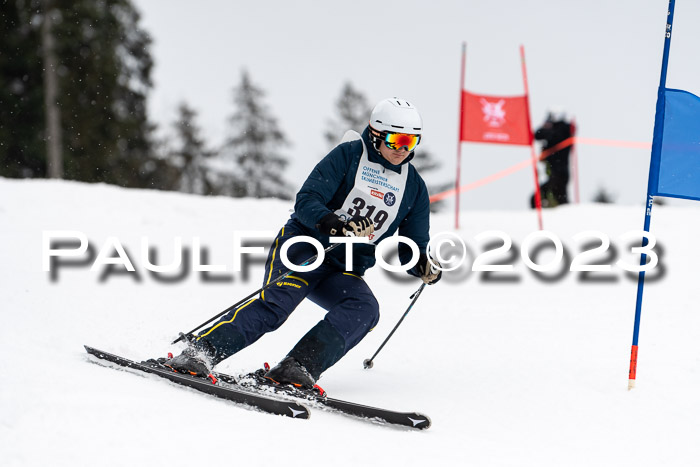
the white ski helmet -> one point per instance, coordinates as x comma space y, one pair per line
396, 116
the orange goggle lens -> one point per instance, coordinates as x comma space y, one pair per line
398, 141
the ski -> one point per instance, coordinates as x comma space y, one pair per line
252, 399
256, 391
317, 398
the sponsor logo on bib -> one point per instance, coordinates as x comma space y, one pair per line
389, 198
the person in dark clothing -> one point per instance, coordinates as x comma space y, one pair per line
365, 187
554, 131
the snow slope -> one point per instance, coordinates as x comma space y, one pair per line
523, 371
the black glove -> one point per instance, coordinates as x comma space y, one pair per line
429, 273
331, 224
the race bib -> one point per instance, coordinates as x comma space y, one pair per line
377, 192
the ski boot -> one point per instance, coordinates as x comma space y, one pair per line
290, 371
194, 360
189, 362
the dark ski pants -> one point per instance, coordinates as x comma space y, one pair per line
352, 310
553, 191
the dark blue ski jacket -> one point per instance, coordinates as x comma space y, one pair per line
329, 184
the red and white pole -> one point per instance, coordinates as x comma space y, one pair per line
459, 135
538, 198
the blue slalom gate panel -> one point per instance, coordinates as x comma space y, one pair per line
679, 157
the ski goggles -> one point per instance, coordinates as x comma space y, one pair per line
397, 141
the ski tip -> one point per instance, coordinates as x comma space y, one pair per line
420, 421
299, 411
93, 351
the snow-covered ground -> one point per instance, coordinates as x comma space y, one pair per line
517, 372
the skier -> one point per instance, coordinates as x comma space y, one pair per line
366, 188
555, 130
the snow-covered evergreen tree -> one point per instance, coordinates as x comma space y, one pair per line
254, 146
190, 155
424, 162
352, 113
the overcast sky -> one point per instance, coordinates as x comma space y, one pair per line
597, 59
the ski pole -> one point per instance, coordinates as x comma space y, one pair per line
241, 302
369, 362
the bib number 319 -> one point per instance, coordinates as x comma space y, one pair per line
358, 204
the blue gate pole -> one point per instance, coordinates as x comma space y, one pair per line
651, 188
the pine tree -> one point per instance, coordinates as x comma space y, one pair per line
424, 162
253, 146
191, 157
352, 111
604, 196
106, 66
103, 67
22, 146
